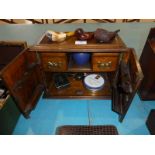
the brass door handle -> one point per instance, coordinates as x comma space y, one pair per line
104, 64
54, 64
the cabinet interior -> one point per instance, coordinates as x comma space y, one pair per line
73, 67
76, 88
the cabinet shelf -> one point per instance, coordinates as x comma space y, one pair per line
78, 90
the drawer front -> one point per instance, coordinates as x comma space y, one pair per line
105, 61
54, 62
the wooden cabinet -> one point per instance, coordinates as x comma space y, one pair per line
150, 122
9, 113
34, 69
8, 51
147, 62
24, 80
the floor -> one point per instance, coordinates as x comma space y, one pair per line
49, 114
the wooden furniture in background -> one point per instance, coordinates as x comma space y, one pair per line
33, 70
147, 62
8, 51
9, 113
150, 122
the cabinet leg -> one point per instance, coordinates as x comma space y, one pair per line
120, 118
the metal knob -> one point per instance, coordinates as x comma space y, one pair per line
50, 64
54, 64
104, 64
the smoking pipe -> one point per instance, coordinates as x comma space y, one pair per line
82, 35
104, 36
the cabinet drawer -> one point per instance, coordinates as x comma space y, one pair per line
54, 61
104, 61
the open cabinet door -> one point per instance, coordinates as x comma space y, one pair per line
126, 81
24, 80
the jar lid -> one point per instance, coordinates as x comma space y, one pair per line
94, 81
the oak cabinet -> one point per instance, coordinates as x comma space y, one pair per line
32, 72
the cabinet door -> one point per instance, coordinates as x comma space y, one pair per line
125, 83
24, 80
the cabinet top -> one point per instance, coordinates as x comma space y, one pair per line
69, 45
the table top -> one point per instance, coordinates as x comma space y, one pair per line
133, 34
68, 45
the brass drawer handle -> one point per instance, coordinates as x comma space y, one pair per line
103, 65
54, 64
